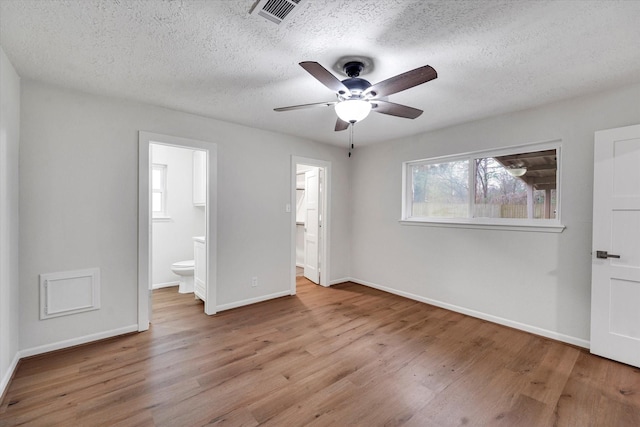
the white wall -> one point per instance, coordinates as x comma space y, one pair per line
9, 289
537, 281
79, 198
173, 238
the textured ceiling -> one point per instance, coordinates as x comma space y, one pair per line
215, 59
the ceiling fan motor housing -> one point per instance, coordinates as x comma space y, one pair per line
356, 86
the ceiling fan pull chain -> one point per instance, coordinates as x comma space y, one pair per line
351, 139
352, 125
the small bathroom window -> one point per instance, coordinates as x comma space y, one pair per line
159, 191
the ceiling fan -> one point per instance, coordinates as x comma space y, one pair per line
357, 97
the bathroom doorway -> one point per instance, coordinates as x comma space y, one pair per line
177, 206
310, 220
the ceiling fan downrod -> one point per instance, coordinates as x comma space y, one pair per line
353, 68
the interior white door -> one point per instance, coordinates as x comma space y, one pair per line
615, 288
312, 225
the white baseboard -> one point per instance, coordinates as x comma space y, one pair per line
480, 315
164, 285
6, 378
338, 281
77, 341
252, 301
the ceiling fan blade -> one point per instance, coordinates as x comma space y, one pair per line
392, 109
300, 107
325, 77
341, 125
402, 82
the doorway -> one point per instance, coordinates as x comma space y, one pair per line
206, 195
178, 208
310, 188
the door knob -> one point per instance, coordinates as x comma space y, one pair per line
605, 255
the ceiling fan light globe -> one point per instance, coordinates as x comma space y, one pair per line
353, 110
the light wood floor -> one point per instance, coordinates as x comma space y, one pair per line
346, 355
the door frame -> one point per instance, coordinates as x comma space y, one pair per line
324, 253
145, 139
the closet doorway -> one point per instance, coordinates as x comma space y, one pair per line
310, 220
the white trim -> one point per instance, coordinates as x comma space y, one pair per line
6, 379
164, 285
540, 226
145, 139
338, 281
325, 271
144, 230
77, 341
493, 152
250, 301
480, 315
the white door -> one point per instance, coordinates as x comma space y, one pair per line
615, 288
312, 225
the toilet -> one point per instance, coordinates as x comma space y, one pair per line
184, 269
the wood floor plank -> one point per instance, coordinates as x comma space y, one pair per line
390, 400
547, 380
317, 409
345, 355
600, 392
273, 404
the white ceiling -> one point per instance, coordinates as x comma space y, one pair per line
215, 59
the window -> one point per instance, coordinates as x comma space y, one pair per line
516, 187
159, 191
440, 189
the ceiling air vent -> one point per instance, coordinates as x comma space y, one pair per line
276, 10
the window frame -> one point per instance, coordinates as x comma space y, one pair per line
553, 225
163, 215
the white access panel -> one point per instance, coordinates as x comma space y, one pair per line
69, 292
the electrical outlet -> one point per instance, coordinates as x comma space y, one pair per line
254, 282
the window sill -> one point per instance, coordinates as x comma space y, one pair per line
540, 226
161, 218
